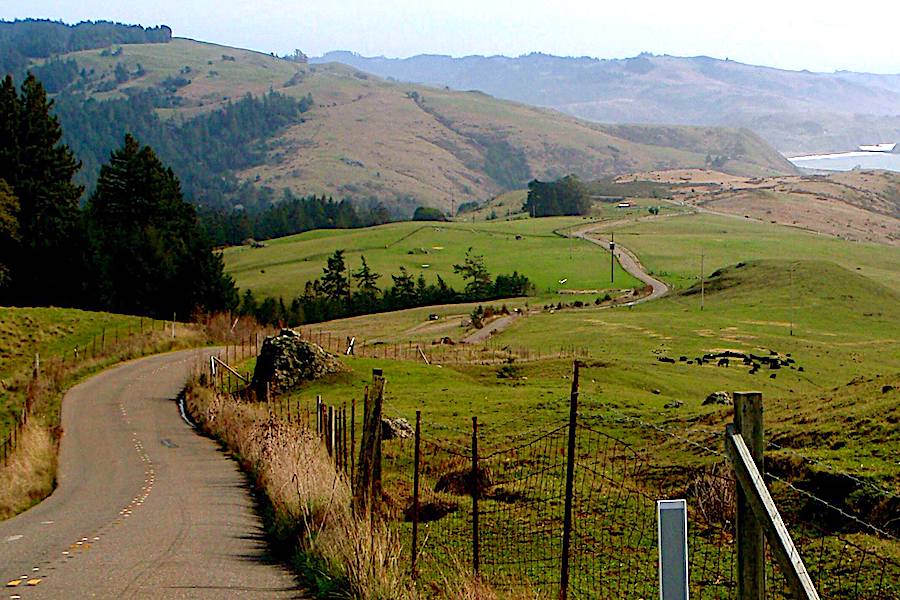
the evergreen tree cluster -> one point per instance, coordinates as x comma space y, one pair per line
428, 213
23, 40
289, 215
137, 247
205, 149
344, 292
565, 196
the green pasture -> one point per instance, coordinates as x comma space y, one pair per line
838, 325
51, 332
283, 268
671, 248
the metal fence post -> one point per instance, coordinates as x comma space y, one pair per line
751, 541
474, 489
570, 480
415, 515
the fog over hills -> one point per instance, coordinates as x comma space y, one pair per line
796, 111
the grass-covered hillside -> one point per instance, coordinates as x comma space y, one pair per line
671, 248
404, 144
529, 246
50, 332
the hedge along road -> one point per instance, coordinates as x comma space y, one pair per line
145, 507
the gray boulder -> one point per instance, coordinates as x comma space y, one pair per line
396, 429
287, 360
718, 398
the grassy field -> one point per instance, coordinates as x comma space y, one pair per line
829, 305
671, 248
841, 335
51, 332
288, 263
826, 413
509, 206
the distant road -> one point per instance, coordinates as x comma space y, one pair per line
145, 508
626, 257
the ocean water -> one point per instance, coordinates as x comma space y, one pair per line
847, 161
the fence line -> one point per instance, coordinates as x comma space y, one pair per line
489, 352
505, 510
48, 372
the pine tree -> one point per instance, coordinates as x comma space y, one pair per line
39, 169
9, 233
151, 253
367, 293
335, 284
404, 291
476, 275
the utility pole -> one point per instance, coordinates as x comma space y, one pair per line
612, 258
791, 296
452, 205
702, 290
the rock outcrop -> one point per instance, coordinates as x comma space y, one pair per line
718, 398
287, 360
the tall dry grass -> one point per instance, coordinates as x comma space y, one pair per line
307, 495
351, 557
31, 472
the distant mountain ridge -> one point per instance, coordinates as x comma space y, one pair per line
238, 127
796, 111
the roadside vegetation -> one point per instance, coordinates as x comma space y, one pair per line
308, 509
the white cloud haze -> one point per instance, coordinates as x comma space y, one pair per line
820, 36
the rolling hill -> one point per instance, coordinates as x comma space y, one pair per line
796, 111
367, 138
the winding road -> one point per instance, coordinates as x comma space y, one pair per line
145, 507
629, 261
626, 258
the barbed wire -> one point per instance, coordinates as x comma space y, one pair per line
837, 509
659, 429
867, 484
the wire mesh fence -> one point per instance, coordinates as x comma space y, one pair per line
442, 351
471, 498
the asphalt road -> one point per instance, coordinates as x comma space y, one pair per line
145, 507
626, 258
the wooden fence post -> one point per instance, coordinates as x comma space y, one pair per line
475, 493
329, 439
367, 484
570, 480
352, 441
415, 515
318, 416
751, 541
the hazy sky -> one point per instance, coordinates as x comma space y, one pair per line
824, 35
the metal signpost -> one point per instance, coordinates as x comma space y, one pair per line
673, 549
